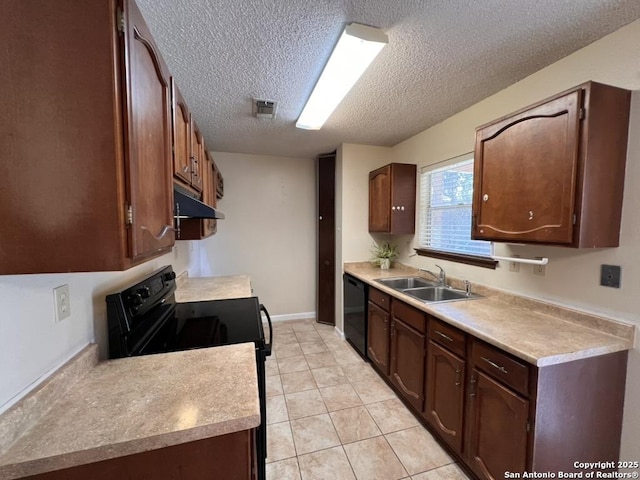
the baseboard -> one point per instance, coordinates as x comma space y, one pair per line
293, 316
339, 332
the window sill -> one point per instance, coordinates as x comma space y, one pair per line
475, 260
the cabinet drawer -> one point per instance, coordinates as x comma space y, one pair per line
379, 298
409, 315
501, 366
449, 337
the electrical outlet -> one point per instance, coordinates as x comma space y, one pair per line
610, 275
539, 270
62, 302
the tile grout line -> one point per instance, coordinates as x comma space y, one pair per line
349, 382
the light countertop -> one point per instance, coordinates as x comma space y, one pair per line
537, 332
131, 405
89, 411
212, 288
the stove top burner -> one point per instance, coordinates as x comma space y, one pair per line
145, 319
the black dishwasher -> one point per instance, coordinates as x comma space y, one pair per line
356, 295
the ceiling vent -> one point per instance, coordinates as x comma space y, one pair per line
264, 108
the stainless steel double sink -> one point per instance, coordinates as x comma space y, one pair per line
426, 291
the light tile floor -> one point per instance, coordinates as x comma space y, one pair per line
330, 416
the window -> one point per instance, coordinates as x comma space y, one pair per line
446, 194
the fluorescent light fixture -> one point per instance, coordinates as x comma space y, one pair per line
354, 52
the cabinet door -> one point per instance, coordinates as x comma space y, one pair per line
407, 362
209, 194
496, 428
380, 200
444, 394
525, 174
197, 157
181, 136
149, 158
378, 338
403, 198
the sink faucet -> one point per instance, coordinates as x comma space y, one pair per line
441, 276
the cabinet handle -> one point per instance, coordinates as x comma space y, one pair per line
458, 371
186, 169
446, 337
472, 386
495, 365
163, 231
402, 208
530, 215
177, 220
393, 208
485, 197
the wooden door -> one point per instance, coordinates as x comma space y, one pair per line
149, 157
496, 428
444, 394
380, 200
197, 157
181, 136
525, 174
326, 301
407, 362
378, 337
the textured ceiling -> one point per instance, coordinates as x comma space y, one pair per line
442, 57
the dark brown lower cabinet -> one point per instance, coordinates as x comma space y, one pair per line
496, 412
378, 338
444, 394
496, 428
225, 457
407, 362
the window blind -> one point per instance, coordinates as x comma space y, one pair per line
446, 195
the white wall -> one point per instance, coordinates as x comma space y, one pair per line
353, 240
32, 344
269, 231
357, 162
572, 276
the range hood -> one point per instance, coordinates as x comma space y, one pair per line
186, 206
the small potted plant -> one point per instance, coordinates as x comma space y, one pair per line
383, 254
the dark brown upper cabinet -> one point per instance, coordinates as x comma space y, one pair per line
86, 142
199, 228
553, 172
197, 156
181, 136
392, 199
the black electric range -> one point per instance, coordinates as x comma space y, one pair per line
145, 319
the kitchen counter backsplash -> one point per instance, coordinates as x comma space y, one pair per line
28, 411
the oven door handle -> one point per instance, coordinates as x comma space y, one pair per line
268, 347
